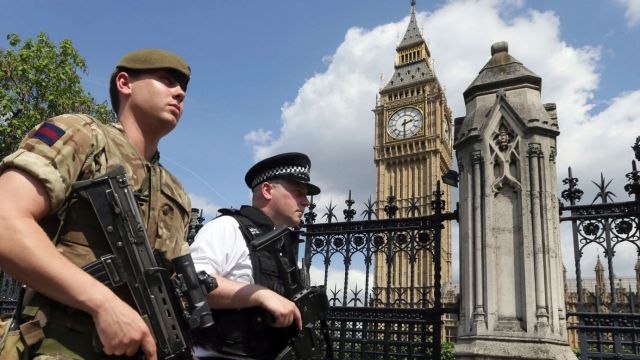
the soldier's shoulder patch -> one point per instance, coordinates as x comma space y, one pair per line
48, 133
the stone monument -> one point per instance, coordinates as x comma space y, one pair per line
512, 299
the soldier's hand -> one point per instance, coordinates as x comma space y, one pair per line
284, 311
122, 331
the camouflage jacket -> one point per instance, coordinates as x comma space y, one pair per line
58, 152
68, 148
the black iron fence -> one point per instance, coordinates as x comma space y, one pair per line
607, 334
382, 317
392, 311
606, 318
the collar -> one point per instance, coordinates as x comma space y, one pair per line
155, 159
260, 219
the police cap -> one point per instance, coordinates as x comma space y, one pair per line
291, 166
150, 59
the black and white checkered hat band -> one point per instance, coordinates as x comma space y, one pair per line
301, 173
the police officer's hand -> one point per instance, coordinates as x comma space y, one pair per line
122, 331
284, 311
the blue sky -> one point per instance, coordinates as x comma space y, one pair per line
291, 75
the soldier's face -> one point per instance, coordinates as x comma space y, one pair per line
288, 201
157, 99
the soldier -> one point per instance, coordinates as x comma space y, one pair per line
47, 235
280, 186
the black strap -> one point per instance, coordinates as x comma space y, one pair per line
249, 232
248, 229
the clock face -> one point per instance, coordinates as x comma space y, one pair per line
405, 122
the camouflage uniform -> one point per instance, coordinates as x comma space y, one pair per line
84, 149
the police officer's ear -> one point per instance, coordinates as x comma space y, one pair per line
266, 190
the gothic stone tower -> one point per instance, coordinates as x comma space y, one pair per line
512, 299
413, 148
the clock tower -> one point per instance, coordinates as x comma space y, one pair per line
413, 149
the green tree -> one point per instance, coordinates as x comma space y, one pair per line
38, 80
447, 351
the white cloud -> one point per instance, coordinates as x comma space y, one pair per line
335, 283
331, 118
568, 74
601, 143
632, 11
259, 137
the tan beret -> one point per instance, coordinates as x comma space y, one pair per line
149, 59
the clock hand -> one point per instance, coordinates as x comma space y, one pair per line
404, 123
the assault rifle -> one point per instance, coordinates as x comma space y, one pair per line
171, 307
311, 301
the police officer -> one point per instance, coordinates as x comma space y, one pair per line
46, 234
280, 185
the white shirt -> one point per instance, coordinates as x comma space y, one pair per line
220, 249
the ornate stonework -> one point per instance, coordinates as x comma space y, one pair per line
512, 299
413, 149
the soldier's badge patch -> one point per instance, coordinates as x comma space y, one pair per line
48, 133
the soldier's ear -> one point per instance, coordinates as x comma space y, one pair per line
123, 83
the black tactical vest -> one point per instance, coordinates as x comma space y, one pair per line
245, 332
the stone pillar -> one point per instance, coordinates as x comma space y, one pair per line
511, 282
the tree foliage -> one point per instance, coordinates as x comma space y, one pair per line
447, 351
38, 80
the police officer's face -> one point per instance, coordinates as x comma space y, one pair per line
288, 201
157, 99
